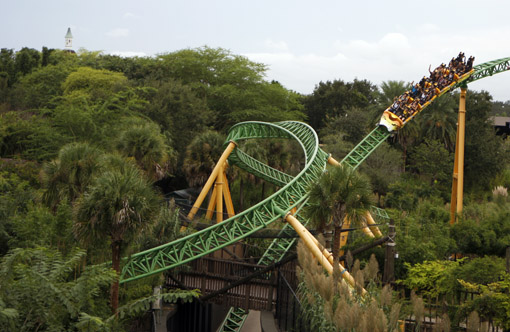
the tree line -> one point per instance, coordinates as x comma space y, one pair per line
90, 142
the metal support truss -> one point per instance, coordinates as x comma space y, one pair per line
220, 235
292, 194
234, 320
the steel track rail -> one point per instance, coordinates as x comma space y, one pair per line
278, 248
220, 235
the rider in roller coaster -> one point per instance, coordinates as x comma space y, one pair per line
411, 102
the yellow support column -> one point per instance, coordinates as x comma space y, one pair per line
344, 235
368, 231
309, 242
211, 179
211, 205
228, 198
324, 257
453, 199
371, 222
457, 197
333, 161
462, 135
219, 195
213, 202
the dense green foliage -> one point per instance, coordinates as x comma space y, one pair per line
340, 195
89, 141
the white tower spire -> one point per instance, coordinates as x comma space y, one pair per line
69, 39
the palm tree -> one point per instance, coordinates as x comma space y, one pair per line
406, 137
144, 142
66, 177
255, 149
201, 156
390, 90
118, 206
339, 192
408, 134
439, 121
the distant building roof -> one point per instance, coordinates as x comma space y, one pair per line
501, 121
501, 125
69, 34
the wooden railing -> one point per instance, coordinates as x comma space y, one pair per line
436, 307
212, 275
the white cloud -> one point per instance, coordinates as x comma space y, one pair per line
393, 40
279, 46
428, 28
129, 15
118, 32
128, 54
395, 56
484, 44
391, 48
300, 72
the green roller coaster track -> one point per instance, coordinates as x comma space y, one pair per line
234, 320
488, 69
220, 235
375, 138
279, 247
292, 194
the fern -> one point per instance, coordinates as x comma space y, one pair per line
8, 317
139, 306
90, 323
40, 289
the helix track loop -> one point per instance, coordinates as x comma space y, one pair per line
220, 235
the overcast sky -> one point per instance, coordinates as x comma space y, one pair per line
301, 42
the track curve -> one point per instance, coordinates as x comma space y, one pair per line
292, 194
220, 235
